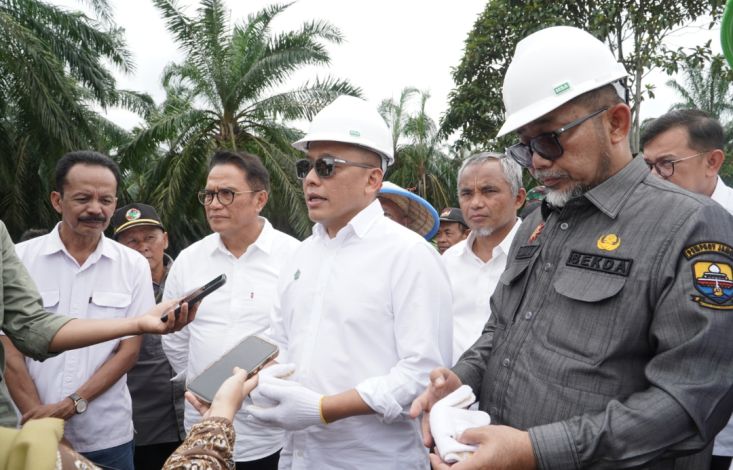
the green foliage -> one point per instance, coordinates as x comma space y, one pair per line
52, 73
709, 90
421, 163
634, 30
231, 91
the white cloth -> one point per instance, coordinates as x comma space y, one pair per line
114, 282
368, 309
473, 282
239, 308
448, 420
723, 195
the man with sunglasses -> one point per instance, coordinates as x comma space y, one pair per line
609, 340
251, 253
363, 310
685, 147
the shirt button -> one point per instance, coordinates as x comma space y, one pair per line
493, 411
506, 362
564, 226
548, 267
528, 316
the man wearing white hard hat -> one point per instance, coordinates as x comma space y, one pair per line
608, 346
408, 209
363, 313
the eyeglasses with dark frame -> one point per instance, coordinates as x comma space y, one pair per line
665, 167
225, 196
324, 166
547, 145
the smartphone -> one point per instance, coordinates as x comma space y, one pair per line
251, 355
198, 295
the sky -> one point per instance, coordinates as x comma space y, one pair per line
389, 44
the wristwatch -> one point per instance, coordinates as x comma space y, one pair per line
80, 404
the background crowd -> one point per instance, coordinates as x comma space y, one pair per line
588, 315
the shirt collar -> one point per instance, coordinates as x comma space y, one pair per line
503, 246
719, 194
53, 244
263, 242
359, 224
610, 196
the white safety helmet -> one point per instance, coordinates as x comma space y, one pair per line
550, 68
351, 120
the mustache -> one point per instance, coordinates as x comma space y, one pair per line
543, 174
93, 218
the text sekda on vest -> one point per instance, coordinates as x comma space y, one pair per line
600, 263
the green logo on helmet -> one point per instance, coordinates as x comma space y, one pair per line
355, 133
561, 88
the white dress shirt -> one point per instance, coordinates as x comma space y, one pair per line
239, 308
114, 282
368, 309
473, 282
723, 195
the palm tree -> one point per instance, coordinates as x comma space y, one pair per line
235, 80
422, 164
52, 72
709, 90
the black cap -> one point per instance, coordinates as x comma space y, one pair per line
135, 215
452, 214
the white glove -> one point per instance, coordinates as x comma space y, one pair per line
296, 407
448, 420
281, 371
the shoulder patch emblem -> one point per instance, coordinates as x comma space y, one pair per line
708, 247
133, 214
608, 242
714, 280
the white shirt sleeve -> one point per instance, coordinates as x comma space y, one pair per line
423, 327
175, 345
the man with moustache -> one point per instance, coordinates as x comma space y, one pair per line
250, 252
81, 272
363, 310
157, 402
608, 345
489, 192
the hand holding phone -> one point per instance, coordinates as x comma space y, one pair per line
251, 355
198, 295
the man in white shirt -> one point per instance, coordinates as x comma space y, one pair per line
246, 248
489, 192
80, 272
685, 147
363, 310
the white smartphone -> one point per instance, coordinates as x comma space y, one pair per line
251, 355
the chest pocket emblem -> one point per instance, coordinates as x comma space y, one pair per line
714, 280
608, 242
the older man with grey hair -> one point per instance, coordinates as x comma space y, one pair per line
489, 192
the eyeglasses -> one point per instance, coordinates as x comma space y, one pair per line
546, 145
665, 168
324, 166
224, 196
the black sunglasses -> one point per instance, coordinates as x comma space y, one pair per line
546, 145
324, 166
